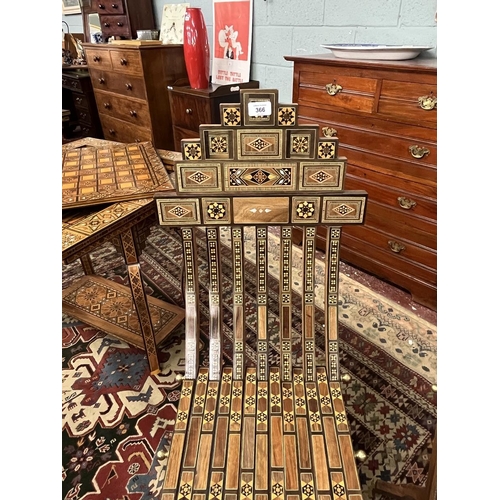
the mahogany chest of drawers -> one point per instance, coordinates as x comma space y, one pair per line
385, 116
130, 87
194, 107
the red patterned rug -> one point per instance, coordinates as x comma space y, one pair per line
117, 417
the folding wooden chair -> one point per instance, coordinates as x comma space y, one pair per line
252, 430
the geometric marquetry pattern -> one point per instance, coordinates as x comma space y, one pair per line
191, 150
77, 230
231, 116
108, 174
234, 459
255, 431
305, 209
260, 176
123, 311
286, 116
327, 149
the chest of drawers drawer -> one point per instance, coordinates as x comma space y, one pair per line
111, 7
114, 26
408, 197
399, 255
338, 91
98, 58
130, 86
126, 61
122, 131
135, 111
409, 101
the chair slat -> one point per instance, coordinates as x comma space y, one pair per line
237, 242
285, 303
215, 303
262, 304
308, 302
331, 301
191, 297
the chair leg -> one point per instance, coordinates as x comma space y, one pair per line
87, 265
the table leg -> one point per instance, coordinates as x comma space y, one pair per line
88, 268
131, 254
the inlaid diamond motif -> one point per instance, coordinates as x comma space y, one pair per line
198, 177
343, 209
321, 176
260, 176
178, 211
259, 144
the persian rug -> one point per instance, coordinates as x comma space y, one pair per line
117, 417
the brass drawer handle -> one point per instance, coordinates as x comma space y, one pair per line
123, 62
101, 6
417, 151
128, 86
107, 25
133, 113
107, 105
102, 80
395, 246
329, 132
189, 111
97, 58
406, 203
333, 88
428, 102
112, 132
119, 24
78, 100
114, 5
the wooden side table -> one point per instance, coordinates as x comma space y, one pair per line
125, 312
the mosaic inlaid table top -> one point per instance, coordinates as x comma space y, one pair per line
113, 172
85, 228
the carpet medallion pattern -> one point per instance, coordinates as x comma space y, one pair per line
116, 417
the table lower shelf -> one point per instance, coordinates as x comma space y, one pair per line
109, 306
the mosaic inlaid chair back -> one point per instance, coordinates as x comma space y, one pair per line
260, 168
254, 430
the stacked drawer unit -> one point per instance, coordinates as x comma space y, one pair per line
79, 98
385, 116
192, 107
130, 86
122, 18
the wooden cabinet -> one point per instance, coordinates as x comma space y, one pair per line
385, 115
194, 107
122, 18
78, 97
130, 86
